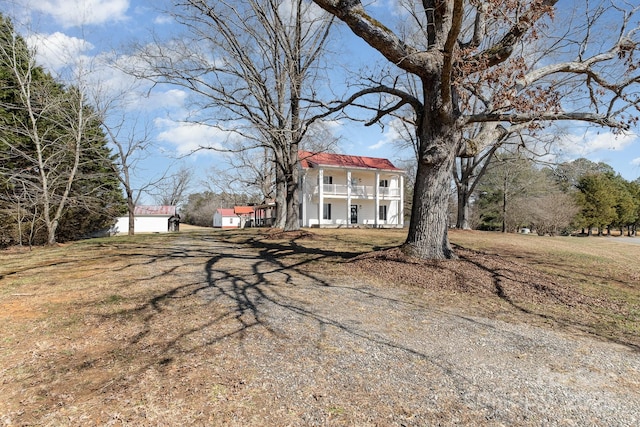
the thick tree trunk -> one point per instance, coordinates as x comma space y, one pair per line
281, 197
439, 139
292, 222
462, 218
428, 236
131, 208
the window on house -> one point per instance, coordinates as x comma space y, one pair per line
326, 211
384, 183
327, 179
382, 213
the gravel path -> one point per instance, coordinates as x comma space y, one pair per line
320, 350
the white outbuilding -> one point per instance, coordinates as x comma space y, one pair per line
225, 218
238, 217
150, 219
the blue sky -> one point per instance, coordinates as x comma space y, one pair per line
68, 31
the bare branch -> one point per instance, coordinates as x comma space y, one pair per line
405, 99
381, 38
502, 50
527, 118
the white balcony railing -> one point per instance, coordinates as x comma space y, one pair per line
390, 192
363, 191
358, 191
334, 189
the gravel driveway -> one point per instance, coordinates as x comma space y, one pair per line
322, 350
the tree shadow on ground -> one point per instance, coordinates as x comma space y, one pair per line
199, 295
525, 290
238, 288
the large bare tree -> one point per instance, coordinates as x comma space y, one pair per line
249, 65
457, 49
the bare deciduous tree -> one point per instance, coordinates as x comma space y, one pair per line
250, 65
173, 190
131, 147
553, 213
248, 172
459, 49
55, 123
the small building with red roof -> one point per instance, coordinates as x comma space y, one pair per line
340, 190
225, 218
245, 214
236, 217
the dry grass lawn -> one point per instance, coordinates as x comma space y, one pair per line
115, 331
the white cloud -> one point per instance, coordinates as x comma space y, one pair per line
581, 145
136, 94
162, 20
380, 144
187, 138
392, 134
72, 13
172, 98
636, 161
56, 51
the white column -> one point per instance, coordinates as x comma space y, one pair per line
303, 195
376, 213
401, 207
320, 195
348, 214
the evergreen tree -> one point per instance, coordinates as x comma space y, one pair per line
626, 205
634, 190
597, 199
57, 177
14, 200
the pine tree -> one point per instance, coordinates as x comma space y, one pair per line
57, 174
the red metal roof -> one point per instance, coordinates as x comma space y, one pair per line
226, 212
155, 210
243, 210
310, 160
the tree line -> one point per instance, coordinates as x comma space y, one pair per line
572, 197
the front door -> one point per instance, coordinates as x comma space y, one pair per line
354, 214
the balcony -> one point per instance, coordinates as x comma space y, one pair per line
358, 191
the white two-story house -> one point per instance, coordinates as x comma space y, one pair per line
349, 191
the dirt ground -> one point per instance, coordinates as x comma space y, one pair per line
203, 329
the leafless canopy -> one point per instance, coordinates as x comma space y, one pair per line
249, 66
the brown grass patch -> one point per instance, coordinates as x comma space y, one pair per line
585, 284
117, 331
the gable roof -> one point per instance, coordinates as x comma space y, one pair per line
313, 160
243, 210
226, 211
155, 210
